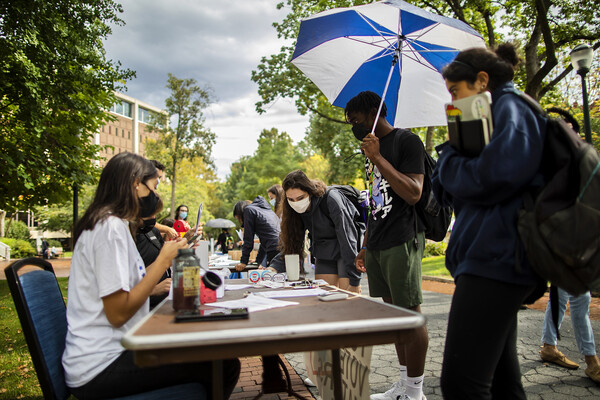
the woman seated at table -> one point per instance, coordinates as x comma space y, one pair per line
109, 289
334, 236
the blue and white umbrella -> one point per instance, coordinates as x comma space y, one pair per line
345, 51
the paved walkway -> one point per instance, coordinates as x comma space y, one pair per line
542, 381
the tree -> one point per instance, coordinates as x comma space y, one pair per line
189, 138
545, 27
55, 85
197, 182
274, 158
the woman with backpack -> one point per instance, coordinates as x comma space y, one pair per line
330, 219
492, 275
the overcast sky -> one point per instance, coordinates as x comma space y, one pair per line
216, 42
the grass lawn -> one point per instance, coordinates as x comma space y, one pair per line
17, 375
435, 266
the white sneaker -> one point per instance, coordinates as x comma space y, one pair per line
407, 397
308, 382
395, 392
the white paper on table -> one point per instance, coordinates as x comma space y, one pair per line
292, 293
231, 286
253, 303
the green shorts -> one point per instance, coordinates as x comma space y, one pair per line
396, 273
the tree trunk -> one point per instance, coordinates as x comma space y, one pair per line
429, 139
2, 218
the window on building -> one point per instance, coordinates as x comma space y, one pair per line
144, 115
109, 130
121, 107
128, 134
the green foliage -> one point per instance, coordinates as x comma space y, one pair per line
17, 230
19, 248
59, 217
187, 138
338, 145
54, 243
197, 183
252, 175
435, 249
55, 85
19, 380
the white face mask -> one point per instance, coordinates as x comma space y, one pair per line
300, 206
272, 202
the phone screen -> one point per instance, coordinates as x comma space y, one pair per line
212, 314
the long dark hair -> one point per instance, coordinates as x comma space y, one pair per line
116, 194
499, 63
177, 212
291, 239
277, 190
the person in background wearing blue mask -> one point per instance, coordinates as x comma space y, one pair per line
181, 225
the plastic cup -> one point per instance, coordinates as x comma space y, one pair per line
292, 266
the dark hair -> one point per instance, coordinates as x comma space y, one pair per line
291, 239
177, 211
277, 190
566, 116
168, 222
364, 103
158, 165
238, 208
116, 194
500, 64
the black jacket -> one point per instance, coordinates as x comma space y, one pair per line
260, 220
149, 245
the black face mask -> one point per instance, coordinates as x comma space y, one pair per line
360, 131
148, 205
148, 225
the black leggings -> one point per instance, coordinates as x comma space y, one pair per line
480, 356
123, 378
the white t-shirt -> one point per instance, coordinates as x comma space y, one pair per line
105, 260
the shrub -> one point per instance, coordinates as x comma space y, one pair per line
17, 230
54, 243
19, 248
435, 249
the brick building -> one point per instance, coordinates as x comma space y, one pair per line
129, 131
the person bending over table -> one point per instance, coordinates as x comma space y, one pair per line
109, 289
257, 218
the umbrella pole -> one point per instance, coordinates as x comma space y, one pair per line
385, 89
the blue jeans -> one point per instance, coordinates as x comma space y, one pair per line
580, 318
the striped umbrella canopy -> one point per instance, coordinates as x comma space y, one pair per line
386, 44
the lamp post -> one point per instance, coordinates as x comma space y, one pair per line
581, 59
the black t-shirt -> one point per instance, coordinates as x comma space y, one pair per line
391, 220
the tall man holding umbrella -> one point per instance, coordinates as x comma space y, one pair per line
393, 247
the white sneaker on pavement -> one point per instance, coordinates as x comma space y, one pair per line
308, 382
395, 392
407, 397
